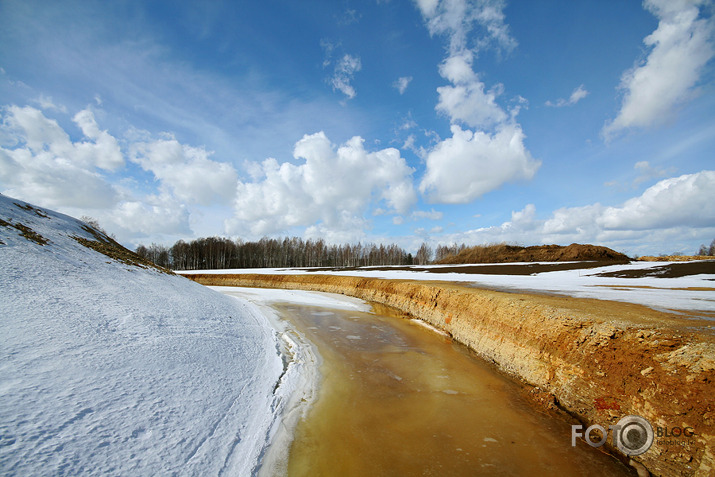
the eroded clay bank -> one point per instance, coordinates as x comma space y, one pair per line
598, 360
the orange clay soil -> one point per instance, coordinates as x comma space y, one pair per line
598, 360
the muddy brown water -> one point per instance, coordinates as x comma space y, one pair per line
398, 399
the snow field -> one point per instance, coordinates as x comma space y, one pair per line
107, 368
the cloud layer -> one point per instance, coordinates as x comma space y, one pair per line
333, 188
38, 159
39, 162
667, 211
463, 130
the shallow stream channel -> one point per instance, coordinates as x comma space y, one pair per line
398, 398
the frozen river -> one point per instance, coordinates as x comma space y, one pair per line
399, 399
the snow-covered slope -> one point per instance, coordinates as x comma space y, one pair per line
109, 368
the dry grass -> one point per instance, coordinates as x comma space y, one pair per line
109, 247
675, 258
26, 232
30, 208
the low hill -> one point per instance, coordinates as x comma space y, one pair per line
503, 253
111, 366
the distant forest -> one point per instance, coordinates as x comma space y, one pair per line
220, 253
214, 253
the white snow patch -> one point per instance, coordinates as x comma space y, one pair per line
298, 297
110, 369
434, 329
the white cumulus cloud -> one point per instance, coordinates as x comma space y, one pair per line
670, 212
468, 103
457, 19
187, 171
155, 215
41, 163
679, 49
473, 161
330, 190
470, 164
685, 200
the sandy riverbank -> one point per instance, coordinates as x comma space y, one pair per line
596, 359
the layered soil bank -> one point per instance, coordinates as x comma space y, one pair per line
598, 360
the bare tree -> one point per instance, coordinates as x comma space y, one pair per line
707, 251
424, 254
222, 253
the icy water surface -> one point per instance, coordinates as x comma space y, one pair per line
400, 400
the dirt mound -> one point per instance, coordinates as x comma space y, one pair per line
503, 253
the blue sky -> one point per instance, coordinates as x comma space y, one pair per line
389, 121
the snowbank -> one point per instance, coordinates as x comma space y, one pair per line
109, 368
305, 361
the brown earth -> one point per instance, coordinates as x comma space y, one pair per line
496, 269
503, 253
598, 360
671, 270
675, 258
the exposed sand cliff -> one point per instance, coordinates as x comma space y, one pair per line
596, 359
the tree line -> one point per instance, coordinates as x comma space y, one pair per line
222, 253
